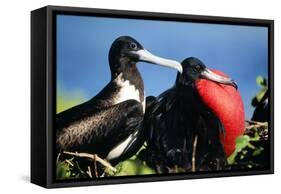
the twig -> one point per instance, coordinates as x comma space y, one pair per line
70, 163
95, 167
94, 157
89, 172
78, 167
58, 157
256, 124
194, 154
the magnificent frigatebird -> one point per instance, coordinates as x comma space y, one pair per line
193, 125
110, 124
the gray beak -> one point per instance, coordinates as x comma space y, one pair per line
146, 56
209, 75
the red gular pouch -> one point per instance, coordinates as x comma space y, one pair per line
225, 101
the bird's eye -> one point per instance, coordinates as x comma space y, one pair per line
133, 45
197, 67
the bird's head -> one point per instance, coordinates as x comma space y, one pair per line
194, 69
125, 52
219, 93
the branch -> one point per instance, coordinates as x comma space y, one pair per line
194, 154
255, 124
89, 172
70, 163
94, 157
95, 168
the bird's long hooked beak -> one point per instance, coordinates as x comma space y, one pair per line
207, 74
146, 56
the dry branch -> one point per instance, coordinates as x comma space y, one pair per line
89, 172
255, 124
253, 127
194, 154
93, 157
70, 163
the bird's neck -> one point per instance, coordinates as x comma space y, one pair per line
187, 97
185, 90
129, 72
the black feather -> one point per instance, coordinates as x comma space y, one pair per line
174, 121
100, 131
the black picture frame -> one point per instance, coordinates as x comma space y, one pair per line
43, 90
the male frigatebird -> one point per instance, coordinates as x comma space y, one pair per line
110, 124
194, 124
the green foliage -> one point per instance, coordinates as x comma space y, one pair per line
251, 150
63, 170
242, 142
262, 83
131, 167
67, 99
68, 169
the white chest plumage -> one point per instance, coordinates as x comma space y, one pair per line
128, 91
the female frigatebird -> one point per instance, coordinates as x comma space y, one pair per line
110, 124
197, 119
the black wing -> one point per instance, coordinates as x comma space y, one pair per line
159, 121
141, 136
210, 153
102, 100
99, 132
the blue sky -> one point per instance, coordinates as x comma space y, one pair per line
83, 43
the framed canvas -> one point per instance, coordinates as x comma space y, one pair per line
126, 96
